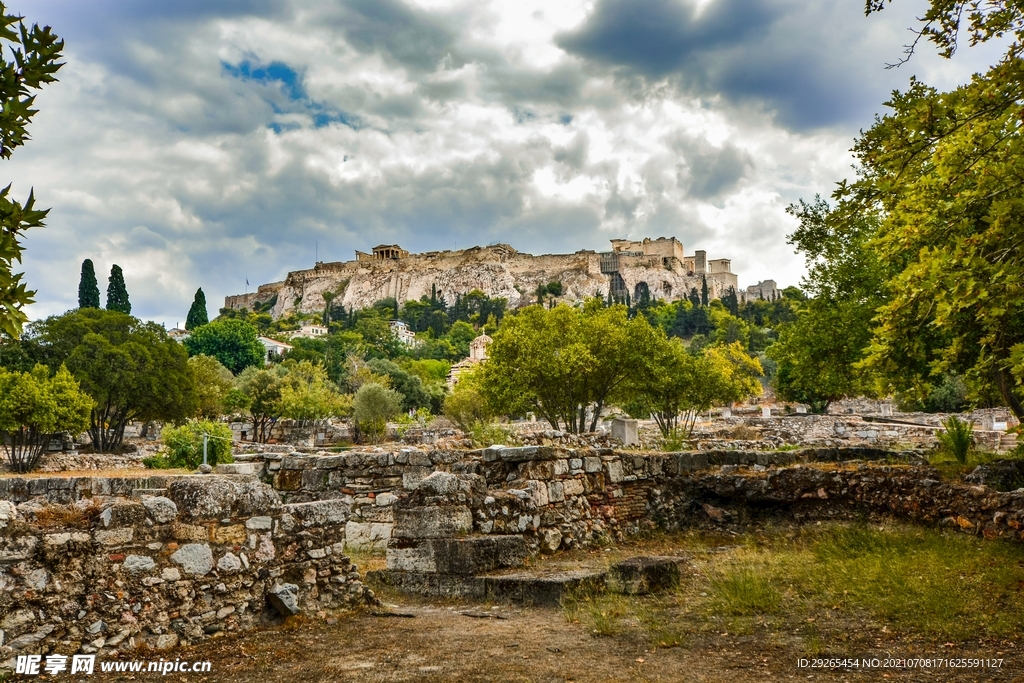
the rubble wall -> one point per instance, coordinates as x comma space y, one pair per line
210, 555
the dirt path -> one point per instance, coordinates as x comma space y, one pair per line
444, 643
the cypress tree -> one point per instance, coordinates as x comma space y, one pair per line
88, 288
197, 315
703, 291
117, 293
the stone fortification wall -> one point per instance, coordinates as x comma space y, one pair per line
89, 567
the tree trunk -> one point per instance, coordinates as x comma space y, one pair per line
1005, 385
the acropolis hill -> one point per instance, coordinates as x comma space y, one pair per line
657, 266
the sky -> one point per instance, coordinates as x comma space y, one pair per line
203, 144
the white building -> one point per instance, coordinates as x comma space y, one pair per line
274, 347
402, 333
310, 332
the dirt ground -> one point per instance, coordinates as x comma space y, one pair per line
469, 643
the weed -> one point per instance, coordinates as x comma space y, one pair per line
958, 438
80, 517
743, 591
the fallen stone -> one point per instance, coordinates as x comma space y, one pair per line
284, 597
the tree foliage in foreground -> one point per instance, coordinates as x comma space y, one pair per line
36, 54
560, 362
372, 407
34, 407
131, 369
233, 342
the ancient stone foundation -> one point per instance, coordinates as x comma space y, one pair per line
96, 564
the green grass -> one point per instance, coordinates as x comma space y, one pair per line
826, 582
744, 591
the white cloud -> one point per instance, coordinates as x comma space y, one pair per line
199, 145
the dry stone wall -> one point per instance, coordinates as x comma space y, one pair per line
84, 569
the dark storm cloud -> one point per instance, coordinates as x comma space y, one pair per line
417, 40
808, 62
711, 171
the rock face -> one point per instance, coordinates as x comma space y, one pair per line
497, 270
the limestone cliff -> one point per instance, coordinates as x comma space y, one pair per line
497, 270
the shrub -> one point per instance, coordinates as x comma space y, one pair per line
373, 406
184, 444
958, 438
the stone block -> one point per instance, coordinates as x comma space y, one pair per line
363, 535
319, 512
432, 522
555, 492
246, 468
285, 598
112, 537
259, 523
138, 563
160, 508
528, 453
233, 534
642, 575
573, 487
592, 465
194, 558
614, 471
468, 555
625, 431
545, 589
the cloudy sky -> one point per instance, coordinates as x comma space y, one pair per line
200, 143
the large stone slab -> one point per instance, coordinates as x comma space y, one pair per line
432, 521
468, 555
543, 589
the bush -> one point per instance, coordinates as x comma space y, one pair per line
157, 462
184, 444
373, 406
958, 438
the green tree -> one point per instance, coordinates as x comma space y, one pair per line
213, 382
308, 394
131, 369
34, 407
261, 388
677, 386
740, 372
36, 53
184, 444
88, 288
372, 407
117, 293
197, 315
560, 362
467, 406
414, 396
942, 173
233, 342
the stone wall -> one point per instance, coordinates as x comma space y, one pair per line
95, 566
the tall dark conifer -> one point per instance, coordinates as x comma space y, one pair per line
117, 293
704, 291
88, 288
197, 315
